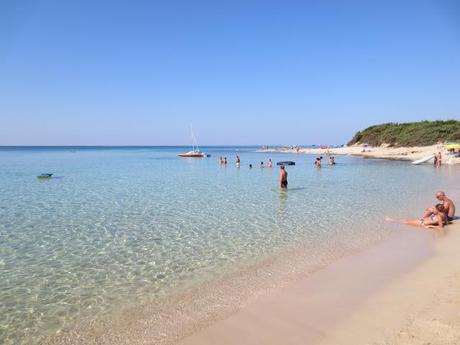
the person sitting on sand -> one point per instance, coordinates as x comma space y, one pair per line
283, 177
449, 207
270, 163
437, 219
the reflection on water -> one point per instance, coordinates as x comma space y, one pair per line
122, 226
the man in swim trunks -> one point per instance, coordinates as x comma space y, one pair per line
439, 160
283, 177
449, 207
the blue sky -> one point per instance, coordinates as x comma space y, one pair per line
243, 72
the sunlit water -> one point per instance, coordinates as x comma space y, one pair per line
119, 226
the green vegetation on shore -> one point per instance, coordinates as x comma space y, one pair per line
422, 133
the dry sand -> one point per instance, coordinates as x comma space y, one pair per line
404, 291
385, 152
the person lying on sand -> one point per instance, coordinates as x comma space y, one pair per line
449, 207
437, 219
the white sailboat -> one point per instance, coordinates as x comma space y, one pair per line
195, 153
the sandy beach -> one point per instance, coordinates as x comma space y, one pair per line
382, 152
404, 291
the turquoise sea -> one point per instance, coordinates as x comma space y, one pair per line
120, 226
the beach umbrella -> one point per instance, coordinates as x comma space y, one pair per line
453, 146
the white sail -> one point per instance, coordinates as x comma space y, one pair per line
195, 146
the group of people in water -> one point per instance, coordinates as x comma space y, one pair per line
437, 216
319, 161
223, 161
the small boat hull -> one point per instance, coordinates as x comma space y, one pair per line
45, 176
192, 155
286, 163
423, 160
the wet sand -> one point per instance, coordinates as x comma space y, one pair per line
403, 291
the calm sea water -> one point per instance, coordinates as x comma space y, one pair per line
118, 226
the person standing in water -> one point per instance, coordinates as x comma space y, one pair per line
261, 165
270, 163
225, 161
438, 160
283, 177
318, 162
331, 160
238, 161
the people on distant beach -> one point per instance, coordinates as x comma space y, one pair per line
238, 161
283, 177
270, 163
449, 207
436, 219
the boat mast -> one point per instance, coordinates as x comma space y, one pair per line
194, 142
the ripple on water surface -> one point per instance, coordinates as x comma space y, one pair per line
123, 227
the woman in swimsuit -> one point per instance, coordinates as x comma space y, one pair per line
436, 220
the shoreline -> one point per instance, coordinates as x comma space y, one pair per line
381, 152
310, 306
182, 314
390, 294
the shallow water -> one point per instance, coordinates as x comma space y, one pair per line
121, 226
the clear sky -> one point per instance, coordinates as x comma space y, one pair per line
243, 72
